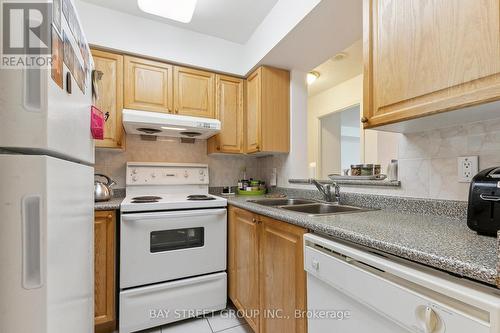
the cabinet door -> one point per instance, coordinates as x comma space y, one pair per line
194, 92
243, 263
104, 276
253, 112
148, 85
426, 57
110, 96
229, 110
282, 276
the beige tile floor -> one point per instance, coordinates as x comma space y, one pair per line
215, 323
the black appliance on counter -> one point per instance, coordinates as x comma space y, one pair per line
483, 213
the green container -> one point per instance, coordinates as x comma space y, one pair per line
257, 192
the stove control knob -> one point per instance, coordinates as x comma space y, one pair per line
186, 174
134, 179
201, 172
202, 179
153, 175
134, 171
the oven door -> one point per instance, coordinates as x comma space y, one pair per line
162, 246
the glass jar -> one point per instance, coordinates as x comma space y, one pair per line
367, 170
356, 169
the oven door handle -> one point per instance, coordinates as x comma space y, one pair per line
160, 215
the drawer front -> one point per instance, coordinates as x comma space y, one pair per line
164, 303
403, 305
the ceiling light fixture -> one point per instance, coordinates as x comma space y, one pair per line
339, 56
312, 76
181, 11
173, 128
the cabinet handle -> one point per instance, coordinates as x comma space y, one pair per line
110, 216
32, 242
364, 120
257, 147
259, 222
106, 116
218, 148
254, 220
176, 110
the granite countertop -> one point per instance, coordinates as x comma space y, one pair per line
442, 242
112, 204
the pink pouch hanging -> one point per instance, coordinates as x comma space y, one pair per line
97, 123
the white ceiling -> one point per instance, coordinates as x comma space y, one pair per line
331, 27
232, 20
333, 72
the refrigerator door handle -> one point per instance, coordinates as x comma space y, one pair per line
33, 90
32, 242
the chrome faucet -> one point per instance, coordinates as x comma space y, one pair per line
326, 190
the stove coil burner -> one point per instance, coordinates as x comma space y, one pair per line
198, 197
146, 199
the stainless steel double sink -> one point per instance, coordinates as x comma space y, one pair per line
309, 206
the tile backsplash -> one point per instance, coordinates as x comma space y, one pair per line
427, 160
225, 170
428, 166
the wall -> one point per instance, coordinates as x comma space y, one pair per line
376, 147
344, 95
132, 34
331, 141
225, 170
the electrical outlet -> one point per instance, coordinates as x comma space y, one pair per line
467, 168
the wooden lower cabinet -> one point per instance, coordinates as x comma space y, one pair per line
281, 275
266, 271
104, 271
243, 263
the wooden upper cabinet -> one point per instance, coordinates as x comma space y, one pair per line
253, 112
243, 263
109, 66
105, 268
282, 276
229, 110
148, 85
194, 92
268, 111
427, 57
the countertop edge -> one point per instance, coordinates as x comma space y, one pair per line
112, 204
451, 265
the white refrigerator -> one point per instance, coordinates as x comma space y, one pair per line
46, 199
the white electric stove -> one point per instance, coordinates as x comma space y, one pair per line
172, 246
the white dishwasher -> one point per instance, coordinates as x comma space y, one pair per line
354, 290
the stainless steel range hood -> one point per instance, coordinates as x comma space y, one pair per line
164, 124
